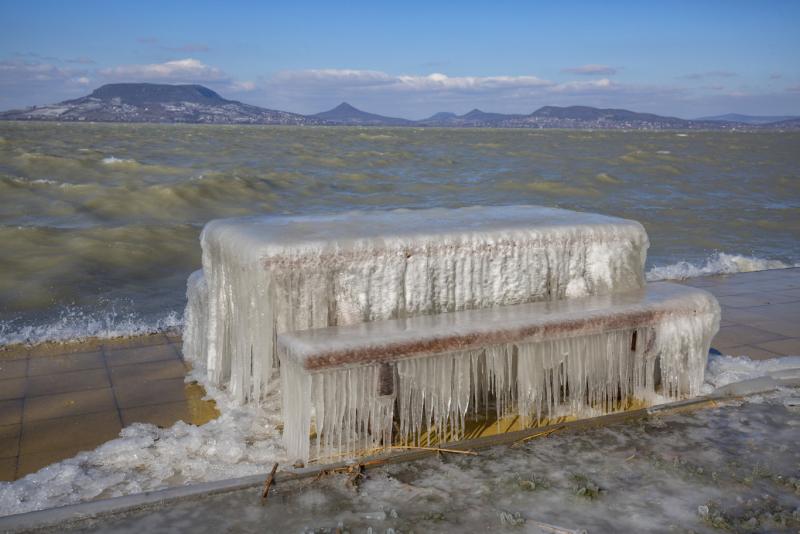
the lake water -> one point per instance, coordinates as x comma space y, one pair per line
99, 223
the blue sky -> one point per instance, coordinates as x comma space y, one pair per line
415, 58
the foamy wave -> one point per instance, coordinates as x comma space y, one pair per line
111, 160
720, 263
75, 325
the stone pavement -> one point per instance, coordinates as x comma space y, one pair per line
760, 312
59, 399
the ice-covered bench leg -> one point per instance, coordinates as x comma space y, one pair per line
195, 335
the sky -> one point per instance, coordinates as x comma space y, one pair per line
412, 59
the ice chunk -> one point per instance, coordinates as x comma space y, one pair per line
267, 275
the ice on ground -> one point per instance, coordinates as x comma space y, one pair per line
732, 468
267, 275
724, 370
246, 440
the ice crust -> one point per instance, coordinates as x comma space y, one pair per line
267, 275
529, 359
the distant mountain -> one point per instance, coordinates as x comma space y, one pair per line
441, 116
345, 114
590, 117
749, 119
149, 102
563, 117
474, 118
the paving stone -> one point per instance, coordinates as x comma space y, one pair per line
67, 382
10, 412
9, 440
734, 336
64, 363
784, 347
66, 433
13, 368
147, 372
135, 341
12, 388
130, 393
141, 355
68, 404
161, 415
8, 467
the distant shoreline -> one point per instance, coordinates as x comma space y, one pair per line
745, 129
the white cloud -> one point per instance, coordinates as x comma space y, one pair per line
341, 77
437, 81
241, 86
371, 79
591, 69
183, 70
587, 86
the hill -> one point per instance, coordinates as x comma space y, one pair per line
749, 119
149, 102
345, 114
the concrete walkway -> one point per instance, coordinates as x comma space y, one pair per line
57, 400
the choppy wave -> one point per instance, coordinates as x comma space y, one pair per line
74, 324
720, 263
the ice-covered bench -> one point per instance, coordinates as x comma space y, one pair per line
353, 384
266, 275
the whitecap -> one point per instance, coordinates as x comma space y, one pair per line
720, 263
111, 160
75, 325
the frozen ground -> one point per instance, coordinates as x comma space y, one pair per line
246, 440
733, 468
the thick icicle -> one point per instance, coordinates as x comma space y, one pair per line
195, 318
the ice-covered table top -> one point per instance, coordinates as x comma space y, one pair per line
413, 227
